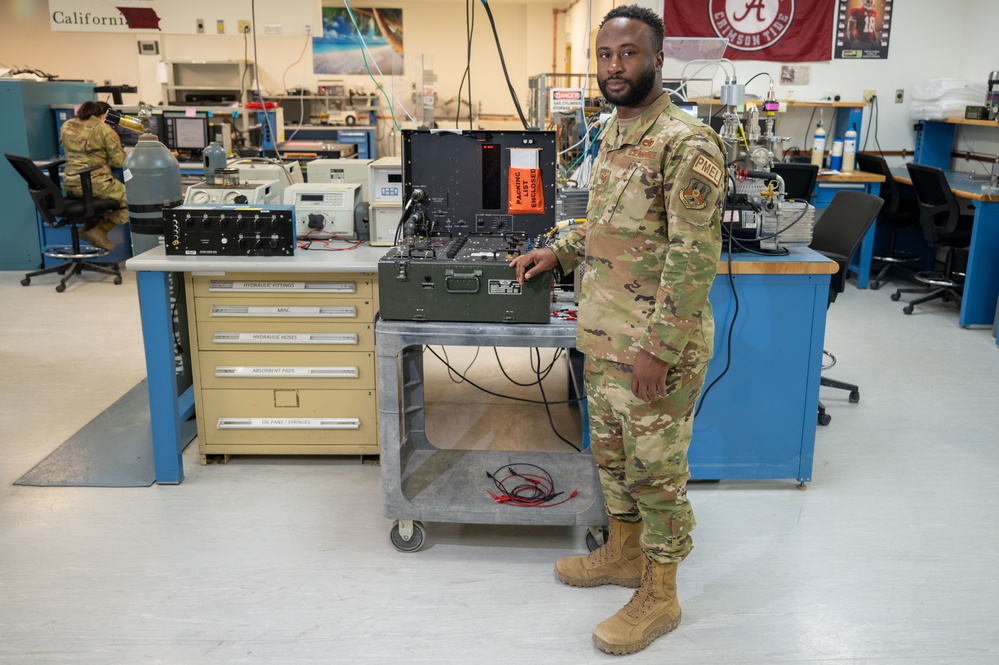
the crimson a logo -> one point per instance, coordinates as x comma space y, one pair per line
751, 25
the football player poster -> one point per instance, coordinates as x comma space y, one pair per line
862, 29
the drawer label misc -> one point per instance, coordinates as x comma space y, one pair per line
331, 311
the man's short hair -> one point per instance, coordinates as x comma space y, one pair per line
647, 16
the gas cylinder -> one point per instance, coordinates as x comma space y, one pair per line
215, 158
849, 149
152, 183
819, 145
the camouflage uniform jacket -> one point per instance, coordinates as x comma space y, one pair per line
651, 241
88, 143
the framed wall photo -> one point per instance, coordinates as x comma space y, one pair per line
863, 29
339, 49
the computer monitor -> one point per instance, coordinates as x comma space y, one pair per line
183, 132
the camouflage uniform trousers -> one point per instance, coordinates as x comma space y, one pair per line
105, 187
641, 452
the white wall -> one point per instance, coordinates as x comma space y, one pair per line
927, 42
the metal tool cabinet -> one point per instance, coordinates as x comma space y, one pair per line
422, 482
283, 363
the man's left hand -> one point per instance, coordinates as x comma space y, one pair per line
648, 377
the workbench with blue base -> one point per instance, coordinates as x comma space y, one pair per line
758, 421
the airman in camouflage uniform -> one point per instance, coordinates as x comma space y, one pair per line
649, 252
88, 141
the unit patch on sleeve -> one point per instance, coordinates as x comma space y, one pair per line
695, 195
705, 167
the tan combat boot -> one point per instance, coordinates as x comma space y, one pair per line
618, 561
97, 234
652, 611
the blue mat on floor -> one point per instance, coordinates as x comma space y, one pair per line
115, 449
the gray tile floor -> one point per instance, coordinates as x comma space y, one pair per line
890, 555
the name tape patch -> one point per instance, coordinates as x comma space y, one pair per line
708, 169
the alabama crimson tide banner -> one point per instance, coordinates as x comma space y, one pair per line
778, 30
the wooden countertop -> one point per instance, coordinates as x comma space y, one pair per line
799, 261
965, 121
850, 176
802, 103
959, 184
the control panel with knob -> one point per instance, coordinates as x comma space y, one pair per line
325, 209
230, 230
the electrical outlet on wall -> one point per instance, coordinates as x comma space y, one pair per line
243, 27
869, 95
201, 25
899, 95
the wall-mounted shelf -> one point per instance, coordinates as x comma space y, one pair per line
191, 82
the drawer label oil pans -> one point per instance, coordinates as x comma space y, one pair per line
289, 423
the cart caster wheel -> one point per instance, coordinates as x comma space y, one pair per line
824, 419
854, 396
593, 540
25, 281
60, 288
907, 309
895, 296
117, 280
416, 536
875, 286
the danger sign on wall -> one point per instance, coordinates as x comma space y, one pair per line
565, 100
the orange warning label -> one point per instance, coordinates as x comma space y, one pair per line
526, 195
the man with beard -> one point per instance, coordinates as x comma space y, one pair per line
649, 251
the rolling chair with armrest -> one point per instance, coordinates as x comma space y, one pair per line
896, 214
837, 235
58, 210
945, 223
799, 179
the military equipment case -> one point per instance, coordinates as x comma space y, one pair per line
464, 279
461, 272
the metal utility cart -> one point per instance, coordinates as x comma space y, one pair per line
422, 482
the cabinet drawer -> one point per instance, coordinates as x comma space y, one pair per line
272, 308
350, 285
269, 336
288, 369
825, 191
263, 417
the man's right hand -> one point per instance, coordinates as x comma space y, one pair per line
534, 262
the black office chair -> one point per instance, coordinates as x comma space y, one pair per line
799, 179
897, 213
945, 223
58, 211
837, 235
